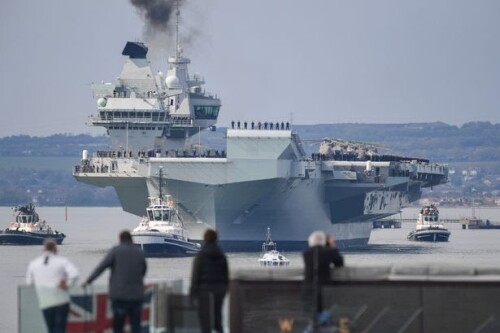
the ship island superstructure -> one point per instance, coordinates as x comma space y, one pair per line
263, 178
143, 111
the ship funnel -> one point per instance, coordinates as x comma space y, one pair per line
85, 155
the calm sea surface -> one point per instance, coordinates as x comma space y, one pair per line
92, 231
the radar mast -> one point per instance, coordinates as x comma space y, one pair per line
177, 45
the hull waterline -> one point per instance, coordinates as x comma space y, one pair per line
430, 235
164, 246
28, 238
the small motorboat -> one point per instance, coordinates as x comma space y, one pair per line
429, 228
28, 229
161, 232
270, 255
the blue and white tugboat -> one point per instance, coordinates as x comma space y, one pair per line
429, 227
28, 229
161, 232
270, 255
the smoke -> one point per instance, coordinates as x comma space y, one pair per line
157, 14
159, 18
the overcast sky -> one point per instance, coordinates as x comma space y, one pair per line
320, 61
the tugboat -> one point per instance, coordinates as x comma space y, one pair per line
27, 229
270, 255
429, 228
161, 232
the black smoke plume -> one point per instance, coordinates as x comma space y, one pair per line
157, 13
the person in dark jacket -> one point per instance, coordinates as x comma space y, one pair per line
319, 259
126, 282
209, 282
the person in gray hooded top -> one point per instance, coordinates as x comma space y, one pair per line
126, 282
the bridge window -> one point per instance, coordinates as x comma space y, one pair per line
166, 215
206, 111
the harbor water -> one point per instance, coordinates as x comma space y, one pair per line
91, 231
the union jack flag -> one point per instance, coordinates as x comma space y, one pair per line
91, 313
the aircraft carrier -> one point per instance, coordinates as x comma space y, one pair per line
263, 178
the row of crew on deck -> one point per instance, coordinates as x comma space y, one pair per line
259, 125
353, 156
159, 153
99, 167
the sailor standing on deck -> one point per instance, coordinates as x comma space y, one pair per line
52, 276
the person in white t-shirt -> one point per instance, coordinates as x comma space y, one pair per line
52, 275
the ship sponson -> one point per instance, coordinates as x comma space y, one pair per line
264, 179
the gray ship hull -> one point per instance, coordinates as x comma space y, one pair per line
242, 212
266, 181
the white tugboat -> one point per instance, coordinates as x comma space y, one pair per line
270, 255
28, 229
429, 227
161, 232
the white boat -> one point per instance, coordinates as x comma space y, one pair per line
161, 232
270, 255
429, 228
28, 229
